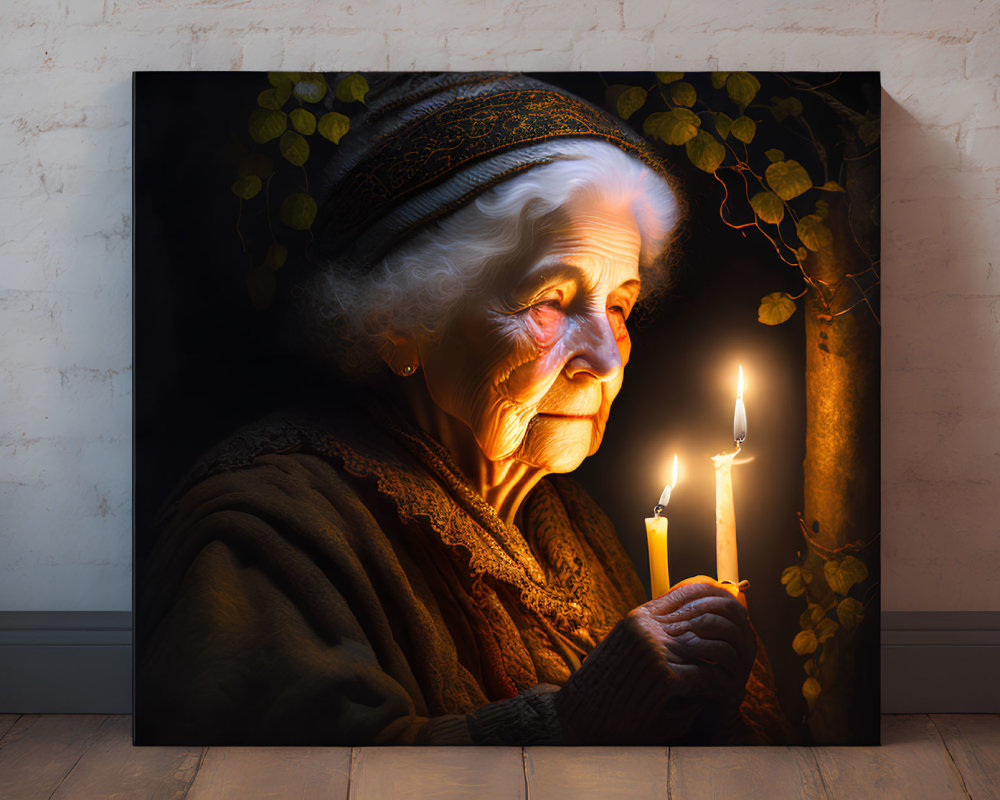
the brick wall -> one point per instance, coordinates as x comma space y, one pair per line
65, 230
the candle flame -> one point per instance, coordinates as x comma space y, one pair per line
740, 414
667, 490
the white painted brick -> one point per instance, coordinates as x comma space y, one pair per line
983, 54
980, 149
261, 51
499, 49
941, 101
597, 50
409, 52
337, 50
960, 18
65, 234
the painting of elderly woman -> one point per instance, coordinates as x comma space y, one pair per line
383, 493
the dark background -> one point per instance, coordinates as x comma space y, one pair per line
207, 361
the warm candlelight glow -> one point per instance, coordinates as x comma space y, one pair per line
740, 414
673, 480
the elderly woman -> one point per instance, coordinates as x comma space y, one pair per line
401, 563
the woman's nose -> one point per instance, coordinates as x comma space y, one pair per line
595, 350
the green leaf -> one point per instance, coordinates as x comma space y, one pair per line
805, 642
274, 98
768, 206
811, 689
630, 101
282, 79
246, 187
261, 285
705, 151
683, 94
310, 87
723, 125
303, 121
788, 179
831, 186
774, 154
673, 127
811, 616
850, 612
784, 107
719, 79
869, 131
256, 164
352, 88
669, 77
744, 129
842, 575
333, 126
825, 628
294, 148
774, 309
298, 211
822, 209
266, 124
275, 256
795, 580
742, 88
814, 234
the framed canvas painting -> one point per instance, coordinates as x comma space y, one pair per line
506, 409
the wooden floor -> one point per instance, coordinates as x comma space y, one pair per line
57, 757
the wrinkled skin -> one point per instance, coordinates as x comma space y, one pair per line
530, 365
521, 385
673, 670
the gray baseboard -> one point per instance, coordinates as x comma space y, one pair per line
79, 662
65, 662
939, 662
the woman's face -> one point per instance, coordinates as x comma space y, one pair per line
532, 363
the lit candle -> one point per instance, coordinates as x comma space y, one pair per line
656, 541
726, 561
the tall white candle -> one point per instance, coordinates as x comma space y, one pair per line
726, 560
726, 556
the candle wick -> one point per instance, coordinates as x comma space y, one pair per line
657, 510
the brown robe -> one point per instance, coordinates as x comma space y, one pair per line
337, 581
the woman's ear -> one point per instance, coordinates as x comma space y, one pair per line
401, 353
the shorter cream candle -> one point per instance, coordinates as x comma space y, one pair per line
656, 542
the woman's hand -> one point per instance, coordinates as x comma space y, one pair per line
669, 660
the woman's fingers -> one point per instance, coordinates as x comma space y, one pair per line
687, 592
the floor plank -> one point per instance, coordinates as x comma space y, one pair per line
256, 773
974, 744
6, 723
729, 772
596, 772
112, 769
911, 764
409, 773
39, 752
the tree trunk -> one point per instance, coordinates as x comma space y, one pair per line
841, 512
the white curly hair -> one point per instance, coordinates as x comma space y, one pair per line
417, 287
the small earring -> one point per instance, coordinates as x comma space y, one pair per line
408, 369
